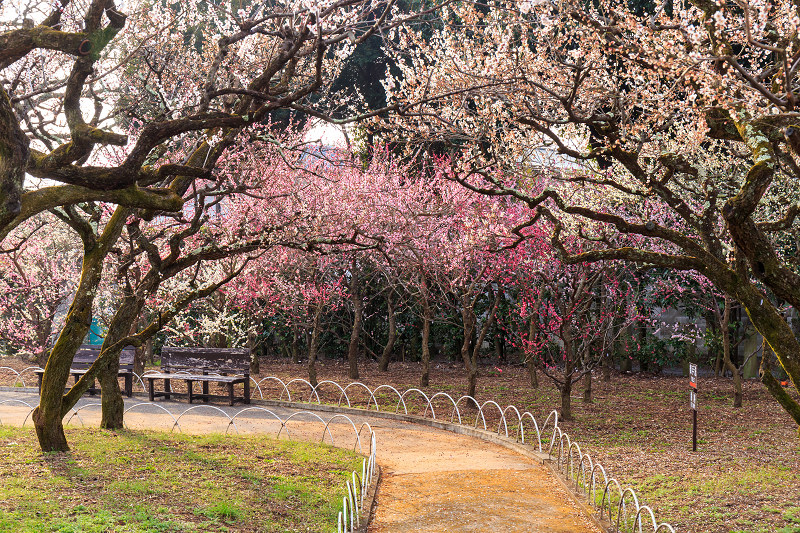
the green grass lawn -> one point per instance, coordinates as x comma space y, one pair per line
133, 481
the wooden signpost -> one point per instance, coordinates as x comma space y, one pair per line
693, 402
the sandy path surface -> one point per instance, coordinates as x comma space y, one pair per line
433, 480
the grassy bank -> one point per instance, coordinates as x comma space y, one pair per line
153, 482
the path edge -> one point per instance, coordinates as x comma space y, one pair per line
372, 501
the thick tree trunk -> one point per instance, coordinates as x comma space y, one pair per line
218, 340
472, 382
113, 405
566, 399
50, 430
569, 372
383, 366
48, 415
14, 151
777, 332
587, 388
313, 347
532, 375
107, 365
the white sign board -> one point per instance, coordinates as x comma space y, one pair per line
693, 399
693, 375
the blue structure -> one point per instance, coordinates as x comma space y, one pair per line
96, 333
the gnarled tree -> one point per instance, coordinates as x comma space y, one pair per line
678, 127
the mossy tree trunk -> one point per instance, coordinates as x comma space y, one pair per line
14, 151
53, 404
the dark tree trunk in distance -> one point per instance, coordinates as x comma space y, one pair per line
427, 318
313, 347
383, 366
358, 317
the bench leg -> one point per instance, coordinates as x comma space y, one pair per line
128, 385
152, 389
205, 392
189, 386
247, 390
230, 392
167, 389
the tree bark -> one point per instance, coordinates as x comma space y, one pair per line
383, 366
566, 400
14, 151
48, 415
121, 325
587, 388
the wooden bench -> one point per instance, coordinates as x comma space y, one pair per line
85, 357
203, 365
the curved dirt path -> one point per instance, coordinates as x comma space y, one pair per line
433, 480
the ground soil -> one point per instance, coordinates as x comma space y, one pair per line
745, 475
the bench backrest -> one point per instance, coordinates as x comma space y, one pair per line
87, 354
228, 360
